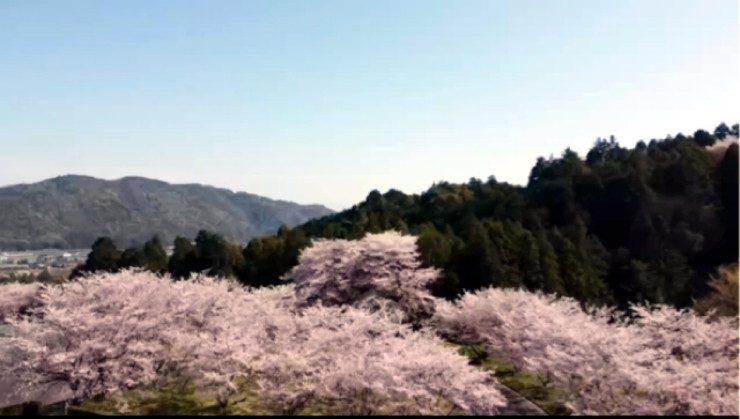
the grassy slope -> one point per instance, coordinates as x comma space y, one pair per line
529, 385
177, 399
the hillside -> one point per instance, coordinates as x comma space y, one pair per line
619, 225
72, 211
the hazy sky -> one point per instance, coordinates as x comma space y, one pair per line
323, 101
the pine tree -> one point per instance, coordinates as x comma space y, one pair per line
181, 262
155, 255
478, 265
104, 256
132, 258
528, 259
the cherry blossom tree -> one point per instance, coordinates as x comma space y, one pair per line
339, 353
381, 272
95, 335
663, 362
356, 327
16, 298
113, 332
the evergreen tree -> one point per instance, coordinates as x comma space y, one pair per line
529, 261
182, 261
155, 255
622, 225
722, 131
132, 257
478, 265
213, 254
104, 256
572, 271
435, 248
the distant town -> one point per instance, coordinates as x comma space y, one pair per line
40, 259
52, 260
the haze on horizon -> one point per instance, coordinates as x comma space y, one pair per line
324, 101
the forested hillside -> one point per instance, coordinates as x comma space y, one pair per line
619, 225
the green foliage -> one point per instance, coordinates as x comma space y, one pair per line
155, 255
182, 258
132, 258
477, 354
215, 255
267, 259
168, 398
183, 397
622, 225
104, 256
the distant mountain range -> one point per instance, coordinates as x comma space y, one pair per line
72, 211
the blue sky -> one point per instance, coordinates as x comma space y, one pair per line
323, 101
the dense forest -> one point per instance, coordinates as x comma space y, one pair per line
649, 223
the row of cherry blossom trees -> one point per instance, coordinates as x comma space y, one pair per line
357, 326
110, 332
663, 361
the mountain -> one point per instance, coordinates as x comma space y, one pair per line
72, 211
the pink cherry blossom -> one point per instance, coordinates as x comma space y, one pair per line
665, 362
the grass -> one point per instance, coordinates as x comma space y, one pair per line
531, 386
182, 398
179, 398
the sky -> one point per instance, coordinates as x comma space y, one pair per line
324, 101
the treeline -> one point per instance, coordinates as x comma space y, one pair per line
29, 277
209, 253
620, 225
